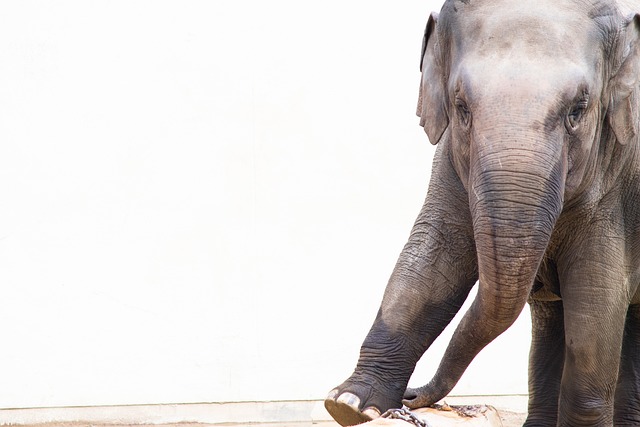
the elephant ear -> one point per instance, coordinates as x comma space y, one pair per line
624, 111
431, 100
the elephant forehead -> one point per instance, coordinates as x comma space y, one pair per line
540, 29
528, 80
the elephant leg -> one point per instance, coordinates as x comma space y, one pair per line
627, 399
595, 306
546, 361
433, 275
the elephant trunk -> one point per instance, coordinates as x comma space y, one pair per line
516, 194
515, 197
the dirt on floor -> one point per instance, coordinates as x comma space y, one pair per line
512, 419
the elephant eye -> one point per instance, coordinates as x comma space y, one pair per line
575, 115
463, 112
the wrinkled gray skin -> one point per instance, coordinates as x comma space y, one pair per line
535, 193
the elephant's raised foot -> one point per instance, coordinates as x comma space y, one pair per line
345, 409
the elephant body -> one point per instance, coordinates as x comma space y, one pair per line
535, 194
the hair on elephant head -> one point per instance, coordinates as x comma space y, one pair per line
534, 194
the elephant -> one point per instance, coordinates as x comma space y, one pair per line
535, 195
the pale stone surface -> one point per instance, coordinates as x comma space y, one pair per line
448, 416
512, 411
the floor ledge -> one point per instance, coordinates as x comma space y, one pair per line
214, 413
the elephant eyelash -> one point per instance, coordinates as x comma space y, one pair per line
576, 114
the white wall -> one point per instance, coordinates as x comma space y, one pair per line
202, 201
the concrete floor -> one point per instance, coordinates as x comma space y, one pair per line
509, 419
512, 410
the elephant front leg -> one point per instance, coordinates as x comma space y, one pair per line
595, 306
546, 360
433, 275
627, 399
412, 315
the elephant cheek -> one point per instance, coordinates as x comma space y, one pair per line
579, 163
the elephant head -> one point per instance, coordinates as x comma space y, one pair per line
547, 84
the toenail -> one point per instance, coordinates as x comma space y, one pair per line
349, 399
372, 412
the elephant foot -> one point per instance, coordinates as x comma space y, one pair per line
345, 409
354, 403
